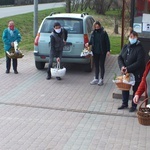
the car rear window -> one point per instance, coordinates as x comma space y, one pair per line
73, 26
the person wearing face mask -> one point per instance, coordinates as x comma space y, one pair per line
57, 41
9, 36
132, 60
100, 48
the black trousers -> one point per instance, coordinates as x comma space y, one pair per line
99, 61
125, 95
8, 63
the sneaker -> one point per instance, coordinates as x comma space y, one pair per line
93, 82
58, 78
132, 109
15, 72
123, 106
48, 76
7, 71
100, 83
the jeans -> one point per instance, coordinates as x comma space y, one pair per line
99, 60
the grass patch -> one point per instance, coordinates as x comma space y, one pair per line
24, 23
115, 44
116, 13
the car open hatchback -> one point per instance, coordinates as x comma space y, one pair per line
79, 27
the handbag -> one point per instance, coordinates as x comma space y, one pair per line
57, 71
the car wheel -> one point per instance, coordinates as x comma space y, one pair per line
39, 65
89, 66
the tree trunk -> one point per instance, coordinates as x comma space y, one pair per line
68, 6
116, 27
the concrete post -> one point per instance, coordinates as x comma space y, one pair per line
35, 26
123, 19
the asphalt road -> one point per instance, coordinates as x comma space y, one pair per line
12, 11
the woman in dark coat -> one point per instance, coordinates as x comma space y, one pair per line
132, 60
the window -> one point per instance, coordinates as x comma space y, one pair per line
142, 10
142, 6
73, 26
89, 23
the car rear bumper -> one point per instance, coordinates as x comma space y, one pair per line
67, 59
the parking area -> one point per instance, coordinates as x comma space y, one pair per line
71, 114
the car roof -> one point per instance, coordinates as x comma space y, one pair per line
68, 15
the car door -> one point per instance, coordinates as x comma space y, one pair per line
75, 41
44, 39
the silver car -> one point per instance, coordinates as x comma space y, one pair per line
79, 27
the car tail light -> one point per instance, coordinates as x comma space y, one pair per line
86, 39
43, 57
37, 39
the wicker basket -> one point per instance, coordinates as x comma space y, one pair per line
144, 114
14, 55
123, 86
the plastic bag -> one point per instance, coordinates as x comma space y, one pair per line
86, 53
58, 72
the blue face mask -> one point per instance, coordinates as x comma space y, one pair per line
132, 41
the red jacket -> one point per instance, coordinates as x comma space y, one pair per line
143, 85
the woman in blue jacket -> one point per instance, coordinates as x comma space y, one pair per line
10, 35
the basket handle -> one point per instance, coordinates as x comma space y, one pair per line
144, 101
58, 65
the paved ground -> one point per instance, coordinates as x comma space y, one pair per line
71, 114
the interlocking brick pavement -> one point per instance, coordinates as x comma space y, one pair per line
71, 114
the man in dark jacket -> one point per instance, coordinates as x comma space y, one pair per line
57, 40
100, 48
132, 60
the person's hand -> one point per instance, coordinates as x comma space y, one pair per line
58, 60
108, 53
64, 42
12, 44
123, 70
86, 44
136, 99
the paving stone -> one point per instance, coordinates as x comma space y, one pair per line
37, 114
